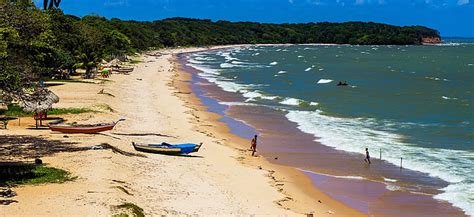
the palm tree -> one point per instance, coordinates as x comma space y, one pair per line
50, 4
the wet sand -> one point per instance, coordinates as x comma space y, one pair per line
372, 195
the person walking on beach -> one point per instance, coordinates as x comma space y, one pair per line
367, 156
253, 145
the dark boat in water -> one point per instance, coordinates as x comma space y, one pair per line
84, 128
168, 149
342, 84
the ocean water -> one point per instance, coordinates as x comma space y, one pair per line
415, 102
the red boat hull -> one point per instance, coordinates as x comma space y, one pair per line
81, 129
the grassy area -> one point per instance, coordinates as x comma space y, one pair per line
136, 210
17, 111
105, 107
61, 111
135, 61
14, 110
41, 175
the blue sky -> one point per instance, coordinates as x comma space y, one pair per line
450, 17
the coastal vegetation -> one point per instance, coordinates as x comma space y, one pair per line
40, 175
40, 44
14, 110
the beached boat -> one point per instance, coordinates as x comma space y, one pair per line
122, 70
84, 128
169, 149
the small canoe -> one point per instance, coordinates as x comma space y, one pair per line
169, 149
84, 128
123, 70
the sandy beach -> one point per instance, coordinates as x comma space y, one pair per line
158, 105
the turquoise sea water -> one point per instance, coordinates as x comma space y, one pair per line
414, 102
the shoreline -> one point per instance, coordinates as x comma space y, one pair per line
300, 195
211, 182
427, 198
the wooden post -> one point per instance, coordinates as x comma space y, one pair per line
401, 162
19, 123
380, 154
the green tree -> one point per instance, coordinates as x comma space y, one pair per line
66, 31
26, 43
90, 50
118, 44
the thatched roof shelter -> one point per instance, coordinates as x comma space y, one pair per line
41, 100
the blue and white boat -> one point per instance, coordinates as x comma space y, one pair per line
169, 149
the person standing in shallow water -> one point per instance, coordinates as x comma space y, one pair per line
253, 145
367, 156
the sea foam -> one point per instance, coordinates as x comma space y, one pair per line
204, 58
226, 65
449, 98
195, 61
324, 81
252, 95
238, 62
227, 56
291, 101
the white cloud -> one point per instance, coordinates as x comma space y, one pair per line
463, 2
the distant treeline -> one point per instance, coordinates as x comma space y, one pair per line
38, 43
195, 32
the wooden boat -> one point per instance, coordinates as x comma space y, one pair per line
122, 70
84, 128
168, 149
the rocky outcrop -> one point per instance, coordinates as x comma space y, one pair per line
431, 40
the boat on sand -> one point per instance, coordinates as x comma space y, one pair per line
168, 149
83, 128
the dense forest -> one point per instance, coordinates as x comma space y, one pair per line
37, 43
